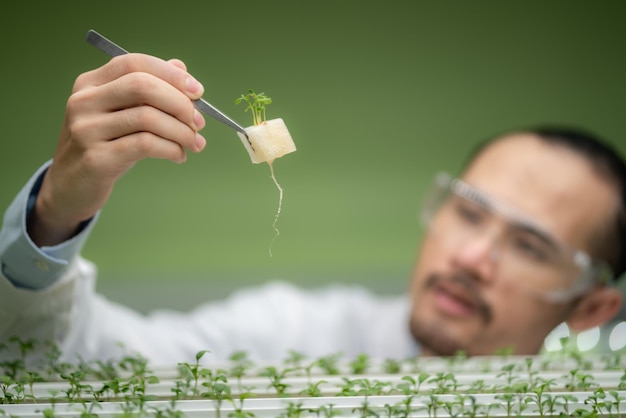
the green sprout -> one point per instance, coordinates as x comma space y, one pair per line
256, 104
241, 364
276, 379
217, 388
329, 363
193, 371
313, 389
360, 364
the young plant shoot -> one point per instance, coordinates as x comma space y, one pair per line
266, 141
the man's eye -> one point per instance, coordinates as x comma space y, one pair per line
469, 213
531, 249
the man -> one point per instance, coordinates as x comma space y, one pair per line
518, 249
530, 236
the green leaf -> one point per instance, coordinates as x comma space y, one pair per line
201, 353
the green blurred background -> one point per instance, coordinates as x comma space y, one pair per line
378, 96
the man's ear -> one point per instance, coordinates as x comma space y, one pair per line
595, 308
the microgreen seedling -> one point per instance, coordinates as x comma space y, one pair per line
313, 389
276, 379
193, 371
327, 411
329, 363
293, 410
256, 104
360, 364
294, 360
392, 366
218, 389
265, 141
240, 365
239, 411
410, 385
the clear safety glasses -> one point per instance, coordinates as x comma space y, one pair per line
457, 215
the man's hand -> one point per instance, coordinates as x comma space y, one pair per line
134, 107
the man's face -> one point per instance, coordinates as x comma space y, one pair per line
461, 298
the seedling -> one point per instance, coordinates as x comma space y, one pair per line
294, 360
105, 370
597, 400
529, 370
12, 368
392, 366
508, 399
30, 377
239, 411
543, 401
168, 411
193, 371
77, 388
579, 380
218, 389
404, 408
265, 141
329, 363
327, 411
25, 346
613, 361
360, 364
617, 399
444, 382
49, 412
293, 410
276, 379
313, 389
365, 388
453, 408
240, 365
53, 367
112, 387
256, 104
410, 385
88, 409
508, 371
432, 405
6, 393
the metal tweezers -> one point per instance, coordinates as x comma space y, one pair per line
105, 45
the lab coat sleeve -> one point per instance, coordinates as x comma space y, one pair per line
21, 261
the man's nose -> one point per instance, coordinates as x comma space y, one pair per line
477, 254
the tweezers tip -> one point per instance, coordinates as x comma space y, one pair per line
248, 139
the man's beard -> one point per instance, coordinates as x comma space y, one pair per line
431, 336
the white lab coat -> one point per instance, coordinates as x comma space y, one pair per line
267, 322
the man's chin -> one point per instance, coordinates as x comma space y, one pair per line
437, 338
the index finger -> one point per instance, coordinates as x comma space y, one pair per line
135, 62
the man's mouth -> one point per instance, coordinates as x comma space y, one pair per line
458, 297
452, 302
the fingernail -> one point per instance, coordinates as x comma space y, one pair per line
200, 142
198, 120
194, 86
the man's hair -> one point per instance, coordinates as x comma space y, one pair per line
607, 163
